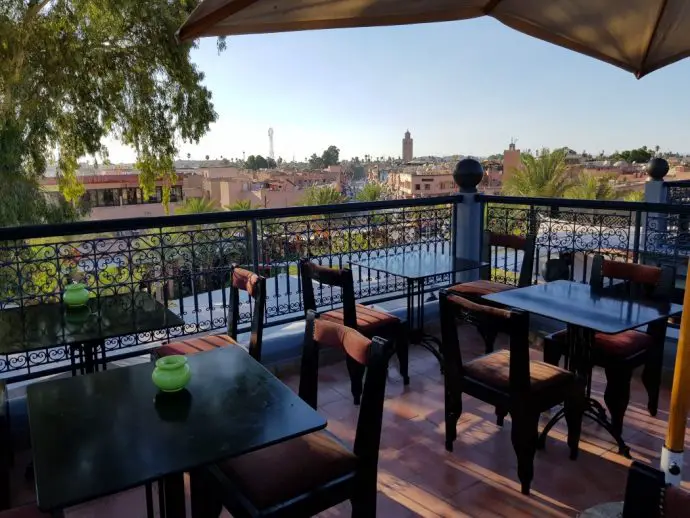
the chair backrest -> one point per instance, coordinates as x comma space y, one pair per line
339, 278
509, 242
374, 354
635, 280
648, 496
255, 286
515, 323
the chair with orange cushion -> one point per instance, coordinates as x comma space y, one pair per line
368, 321
507, 380
621, 353
309, 474
648, 496
242, 280
475, 290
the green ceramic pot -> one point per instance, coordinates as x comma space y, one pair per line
76, 317
171, 373
75, 295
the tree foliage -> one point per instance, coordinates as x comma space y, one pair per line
240, 205
640, 155
73, 72
371, 192
330, 156
256, 162
634, 196
326, 195
592, 187
544, 175
197, 206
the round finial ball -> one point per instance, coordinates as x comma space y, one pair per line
467, 174
657, 168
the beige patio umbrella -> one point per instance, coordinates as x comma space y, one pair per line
636, 35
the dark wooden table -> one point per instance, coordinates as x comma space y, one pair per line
106, 432
585, 311
83, 330
421, 270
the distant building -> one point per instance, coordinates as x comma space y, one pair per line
407, 142
511, 161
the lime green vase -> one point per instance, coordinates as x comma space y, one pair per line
171, 373
75, 295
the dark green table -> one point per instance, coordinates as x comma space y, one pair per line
84, 330
107, 432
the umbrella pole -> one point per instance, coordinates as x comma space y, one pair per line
672, 452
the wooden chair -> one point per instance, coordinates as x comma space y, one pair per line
474, 290
242, 280
368, 321
507, 380
620, 354
648, 496
309, 474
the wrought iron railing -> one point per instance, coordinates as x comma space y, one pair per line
184, 261
678, 192
578, 229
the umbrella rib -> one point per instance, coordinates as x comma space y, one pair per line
491, 6
197, 27
662, 9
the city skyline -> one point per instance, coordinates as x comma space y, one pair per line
460, 88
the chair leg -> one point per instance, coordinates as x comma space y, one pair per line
204, 500
553, 350
356, 371
617, 395
501, 413
364, 499
524, 435
651, 377
453, 411
402, 346
574, 411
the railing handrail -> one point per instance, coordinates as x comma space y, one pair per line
586, 204
115, 225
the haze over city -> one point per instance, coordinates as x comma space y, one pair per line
460, 87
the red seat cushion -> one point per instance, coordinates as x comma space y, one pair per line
480, 288
621, 345
493, 370
196, 345
27, 511
284, 471
369, 320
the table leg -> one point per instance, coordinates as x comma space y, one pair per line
580, 342
172, 488
415, 312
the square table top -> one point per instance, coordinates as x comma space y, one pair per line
578, 304
49, 325
419, 264
100, 434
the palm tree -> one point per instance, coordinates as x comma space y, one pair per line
591, 187
240, 205
322, 196
371, 192
197, 206
634, 196
543, 176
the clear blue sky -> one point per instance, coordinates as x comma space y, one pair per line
461, 88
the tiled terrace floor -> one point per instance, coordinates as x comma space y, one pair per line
417, 477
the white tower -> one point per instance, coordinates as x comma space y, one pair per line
271, 154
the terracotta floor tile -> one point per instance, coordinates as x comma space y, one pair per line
418, 477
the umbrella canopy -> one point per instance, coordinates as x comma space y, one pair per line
637, 35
